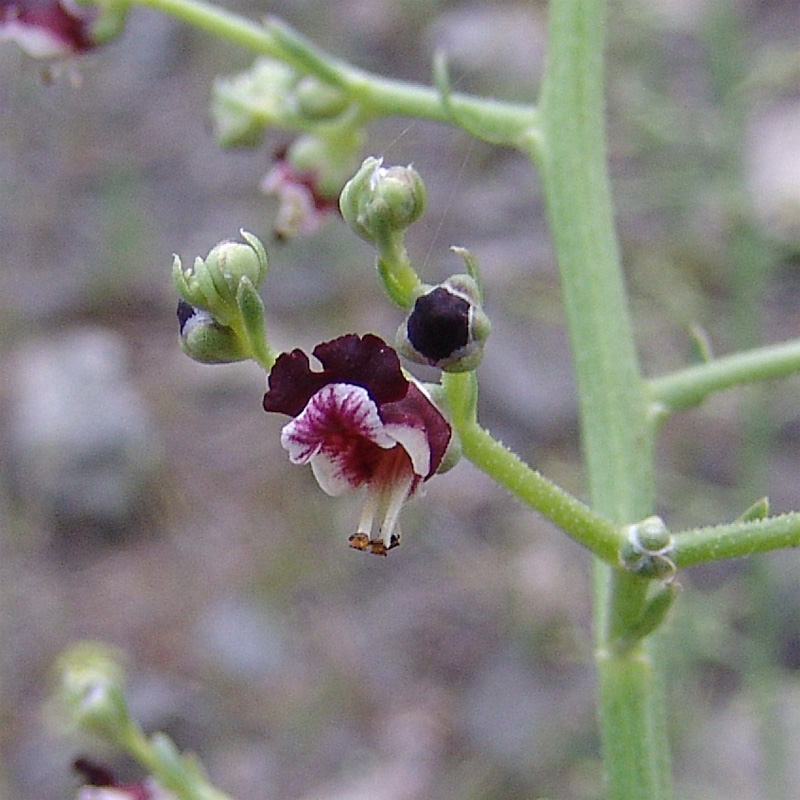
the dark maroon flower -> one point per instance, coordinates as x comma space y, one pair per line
359, 422
47, 28
438, 325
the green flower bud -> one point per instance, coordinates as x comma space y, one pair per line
648, 549
379, 201
212, 284
447, 327
244, 105
205, 340
92, 684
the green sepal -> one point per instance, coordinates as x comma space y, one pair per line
251, 311
757, 511
653, 615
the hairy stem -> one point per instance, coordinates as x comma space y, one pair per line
616, 424
736, 539
690, 386
531, 487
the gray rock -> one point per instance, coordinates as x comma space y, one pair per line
82, 446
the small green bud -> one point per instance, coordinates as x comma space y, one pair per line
203, 339
92, 684
379, 201
648, 549
447, 327
244, 105
212, 283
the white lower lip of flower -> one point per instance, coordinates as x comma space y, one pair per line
304, 438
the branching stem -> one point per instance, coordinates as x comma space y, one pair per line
513, 124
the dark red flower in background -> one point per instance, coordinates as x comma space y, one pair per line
302, 207
101, 785
359, 422
47, 28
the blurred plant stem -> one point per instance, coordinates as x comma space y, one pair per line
501, 122
691, 385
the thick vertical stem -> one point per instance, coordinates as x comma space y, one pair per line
617, 432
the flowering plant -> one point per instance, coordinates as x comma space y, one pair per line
359, 422
363, 422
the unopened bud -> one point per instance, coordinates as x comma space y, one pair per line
245, 105
648, 549
204, 339
447, 327
379, 201
329, 156
213, 283
319, 101
92, 682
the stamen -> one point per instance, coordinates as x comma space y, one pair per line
397, 498
361, 539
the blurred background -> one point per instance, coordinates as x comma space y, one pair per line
146, 501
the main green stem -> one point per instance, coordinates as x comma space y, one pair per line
617, 429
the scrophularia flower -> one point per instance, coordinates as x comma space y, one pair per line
47, 28
359, 422
302, 206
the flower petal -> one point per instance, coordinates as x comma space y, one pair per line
341, 433
365, 361
414, 440
413, 413
302, 205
